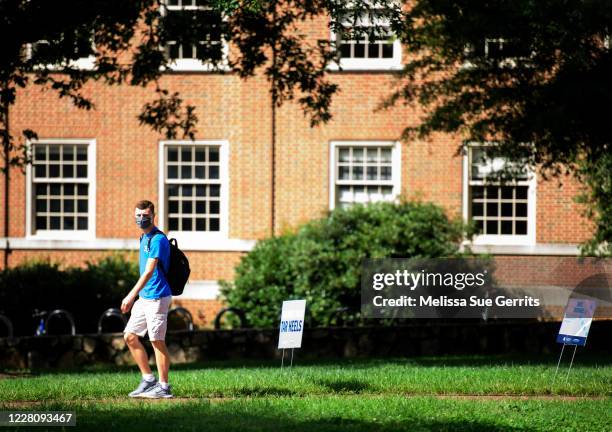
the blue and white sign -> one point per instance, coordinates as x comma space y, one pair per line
576, 322
292, 324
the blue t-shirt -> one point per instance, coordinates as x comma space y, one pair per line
157, 286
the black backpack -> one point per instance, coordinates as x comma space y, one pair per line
178, 273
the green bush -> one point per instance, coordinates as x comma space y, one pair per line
321, 261
85, 292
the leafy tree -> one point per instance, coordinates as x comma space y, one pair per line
530, 75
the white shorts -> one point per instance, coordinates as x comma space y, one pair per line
149, 316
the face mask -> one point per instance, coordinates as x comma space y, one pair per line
143, 221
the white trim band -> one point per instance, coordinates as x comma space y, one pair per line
224, 245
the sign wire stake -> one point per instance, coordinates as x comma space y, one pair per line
558, 363
572, 362
291, 358
283, 359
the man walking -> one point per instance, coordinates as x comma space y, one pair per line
150, 300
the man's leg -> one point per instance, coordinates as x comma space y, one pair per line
138, 352
162, 358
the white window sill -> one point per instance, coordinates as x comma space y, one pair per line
503, 240
551, 249
365, 65
186, 65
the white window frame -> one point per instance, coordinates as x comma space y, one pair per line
351, 64
83, 63
195, 65
194, 239
88, 234
528, 239
396, 165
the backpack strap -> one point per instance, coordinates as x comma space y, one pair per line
157, 231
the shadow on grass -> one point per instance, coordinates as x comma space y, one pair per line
221, 417
345, 385
583, 358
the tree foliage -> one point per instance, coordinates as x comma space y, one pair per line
321, 261
533, 72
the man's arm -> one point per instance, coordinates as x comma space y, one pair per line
129, 299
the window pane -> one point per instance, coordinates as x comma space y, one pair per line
173, 224
82, 153
40, 152
55, 205
55, 189
82, 189
40, 171
54, 171
343, 173
492, 209
172, 154
187, 225
82, 206
506, 227
68, 223
213, 172
68, 171
172, 171
359, 50
372, 173
82, 223
521, 192
41, 223
343, 155
492, 192
213, 154
213, 207
54, 153
186, 154
81, 171
214, 224
173, 206
187, 190
492, 227
68, 153
68, 205
521, 227
385, 173
373, 50
200, 190
521, 209
387, 50
215, 190
345, 50
68, 189
186, 171
173, 191
186, 207
200, 154
54, 222
199, 172
506, 209
477, 209
200, 207
200, 224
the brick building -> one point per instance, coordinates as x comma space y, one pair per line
76, 201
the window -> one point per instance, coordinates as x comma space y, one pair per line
194, 187
77, 46
502, 50
503, 213
61, 195
370, 50
364, 172
200, 16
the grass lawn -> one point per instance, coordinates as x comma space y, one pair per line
446, 393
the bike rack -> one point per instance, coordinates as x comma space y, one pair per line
237, 311
61, 312
185, 315
9, 325
108, 313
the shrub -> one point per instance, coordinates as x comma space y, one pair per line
84, 292
321, 261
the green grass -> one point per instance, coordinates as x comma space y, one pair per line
367, 395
